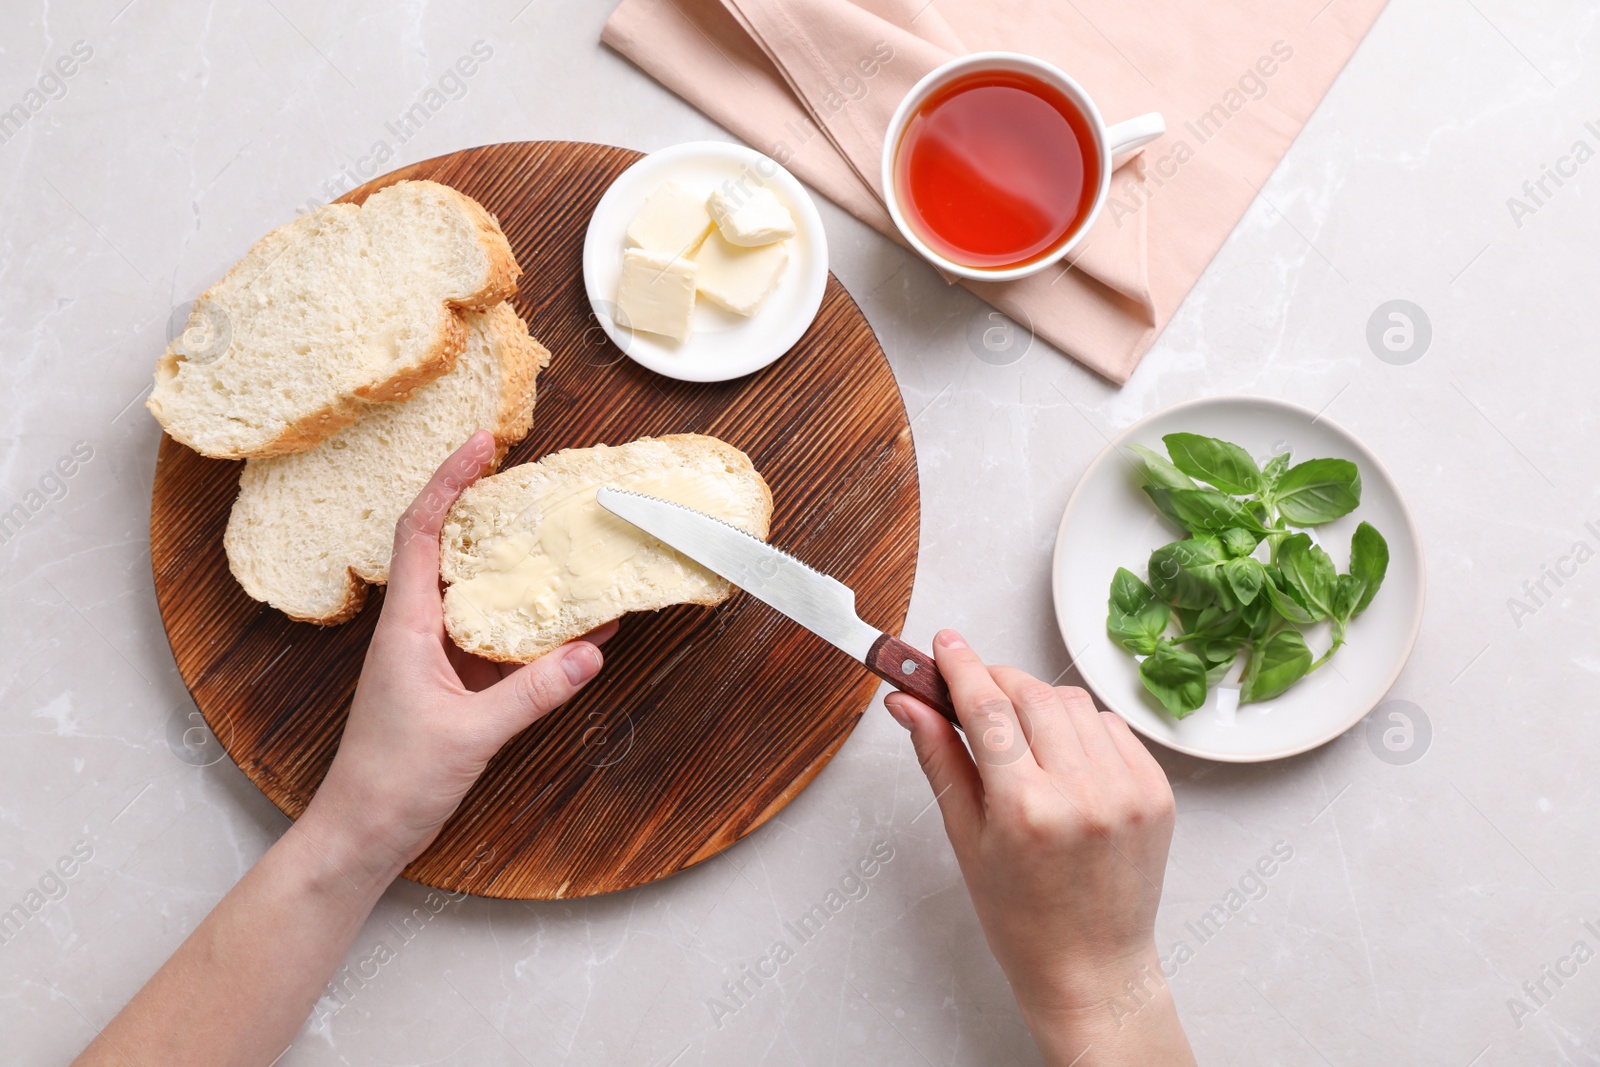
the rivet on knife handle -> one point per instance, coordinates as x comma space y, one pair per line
911, 671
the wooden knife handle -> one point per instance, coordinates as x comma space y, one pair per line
911, 671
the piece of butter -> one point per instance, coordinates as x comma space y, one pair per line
673, 221
750, 218
656, 293
739, 279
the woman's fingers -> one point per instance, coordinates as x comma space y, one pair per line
951, 773
413, 593
1143, 766
1090, 728
1051, 734
540, 687
478, 674
529, 692
994, 731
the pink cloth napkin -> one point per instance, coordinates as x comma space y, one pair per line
813, 84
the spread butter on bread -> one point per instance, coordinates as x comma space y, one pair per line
532, 560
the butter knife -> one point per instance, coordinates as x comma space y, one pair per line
823, 605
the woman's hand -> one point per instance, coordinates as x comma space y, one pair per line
1060, 821
425, 721
427, 717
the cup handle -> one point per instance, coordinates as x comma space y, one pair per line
1135, 133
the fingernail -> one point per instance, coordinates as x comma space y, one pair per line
951, 639
897, 710
581, 662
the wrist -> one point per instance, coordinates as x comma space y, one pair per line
1083, 985
362, 856
1123, 1003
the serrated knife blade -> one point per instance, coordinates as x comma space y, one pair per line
822, 604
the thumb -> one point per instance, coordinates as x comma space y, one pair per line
414, 564
945, 760
540, 687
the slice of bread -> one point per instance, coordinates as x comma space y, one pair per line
533, 561
341, 308
309, 530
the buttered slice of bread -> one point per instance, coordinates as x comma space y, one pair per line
309, 530
341, 308
533, 560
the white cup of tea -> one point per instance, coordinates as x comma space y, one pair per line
996, 164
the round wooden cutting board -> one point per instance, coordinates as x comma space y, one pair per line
705, 722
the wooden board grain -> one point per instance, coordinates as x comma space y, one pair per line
705, 722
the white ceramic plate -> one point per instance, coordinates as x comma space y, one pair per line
1110, 523
723, 345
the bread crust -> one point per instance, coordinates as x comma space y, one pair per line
525, 359
504, 270
499, 285
732, 457
354, 601
318, 427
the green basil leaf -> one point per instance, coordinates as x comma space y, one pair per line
1218, 657
1245, 577
1310, 572
1203, 511
1318, 491
1161, 497
1255, 617
1184, 573
1225, 598
1284, 659
1237, 542
1159, 471
1273, 470
1217, 670
1176, 678
1136, 617
1131, 637
1284, 603
1369, 562
1346, 592
1129, 595
1218, 463
1213, 622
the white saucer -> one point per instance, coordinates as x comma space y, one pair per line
1110, 523
723, 345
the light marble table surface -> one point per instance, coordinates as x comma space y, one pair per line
1419, 897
